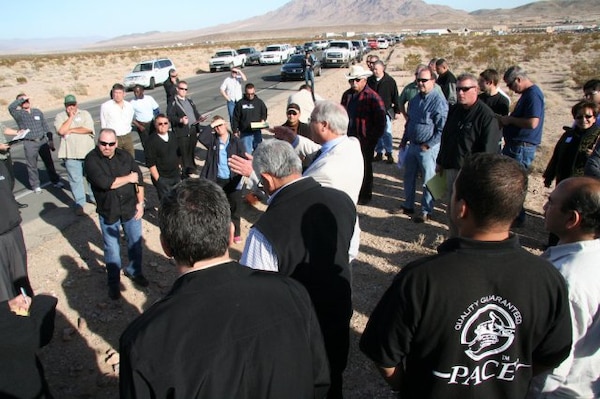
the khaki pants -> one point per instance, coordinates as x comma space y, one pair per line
126, 143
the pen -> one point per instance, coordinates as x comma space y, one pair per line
24, 294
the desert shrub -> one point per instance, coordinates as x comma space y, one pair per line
56, 92
79, 89
3, 102
461, 54
21, 80
75, 73
411, 61
584, 70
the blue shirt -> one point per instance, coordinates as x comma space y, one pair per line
223, 169
530, 105
426, 118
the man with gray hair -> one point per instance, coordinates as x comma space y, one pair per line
572, 212
305, 233
471, 127
523, 128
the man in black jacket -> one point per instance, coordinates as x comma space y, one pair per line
387, 89
248, 110
184, 117
162, 157
305, 233
471, 127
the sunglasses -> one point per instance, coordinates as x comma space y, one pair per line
107, 144
162, 123
292, 113
355, 80
182, 88
423, 80
586, 116
464, 89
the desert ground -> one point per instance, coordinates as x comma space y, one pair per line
82, 360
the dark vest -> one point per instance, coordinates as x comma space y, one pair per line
310, 227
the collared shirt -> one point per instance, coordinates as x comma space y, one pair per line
75, 145
118, 203
144, 108
233, 88
223, 171
33, 120
116, 117
367, 117
258, 251
577, 376
427, 115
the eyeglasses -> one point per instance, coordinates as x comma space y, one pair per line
292, 113
464, 89
162, 123
182, 88
107, 144
586, 116
355, 80
423, 80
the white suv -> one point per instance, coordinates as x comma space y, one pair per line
149, 73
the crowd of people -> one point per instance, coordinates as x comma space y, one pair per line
482, 318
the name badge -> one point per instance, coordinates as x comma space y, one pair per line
37, 118
569, 139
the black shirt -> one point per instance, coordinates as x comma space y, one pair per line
163, 155
498, 103
118, 203
387, 89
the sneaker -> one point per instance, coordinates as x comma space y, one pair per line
389, 158
37, 190
139, 279
58, 184
378, 157
401, 211
114, 292
237, 239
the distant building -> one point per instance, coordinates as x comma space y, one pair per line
433, 32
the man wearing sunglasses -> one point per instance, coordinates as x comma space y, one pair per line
427, 113
118, 186
523, 128
471, 127
293, 121
162, 157
367, 116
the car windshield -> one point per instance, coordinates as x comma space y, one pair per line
244, 50
273, 48
147, 66
223, 53
338, 44
296, 59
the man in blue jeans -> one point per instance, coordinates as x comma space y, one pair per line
427, 113
250, 109
523, 128
118, 186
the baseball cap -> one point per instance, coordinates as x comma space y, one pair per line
293, 106
217, 121
70, 99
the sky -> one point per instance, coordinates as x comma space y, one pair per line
43, 19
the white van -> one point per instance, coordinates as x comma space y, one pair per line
149, 73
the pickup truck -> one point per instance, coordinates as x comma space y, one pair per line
252, 55
275, 54
226, 59
339, 53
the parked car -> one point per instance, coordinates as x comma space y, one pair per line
373, 44
148, 73
382, 43
309, 46
360, 49
252, 55
339, 53
226, 59
274, 54
293, 69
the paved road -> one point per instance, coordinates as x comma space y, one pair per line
204, 90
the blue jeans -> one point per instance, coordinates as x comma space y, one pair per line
385, 141
309, 78
251, 139
424, 162
230, 109
112, 250
77, 183
525, 156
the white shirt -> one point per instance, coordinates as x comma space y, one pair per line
578, 376
116, 117
233, 88
143, 108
